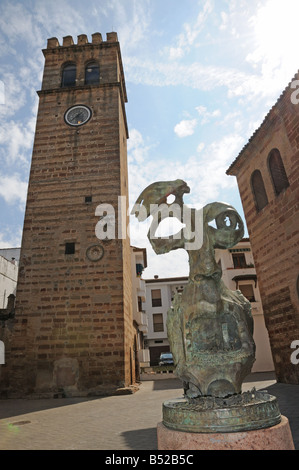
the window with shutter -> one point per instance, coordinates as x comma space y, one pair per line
156, 298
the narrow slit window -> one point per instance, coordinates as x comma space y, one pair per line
258, 189
92, 74
88, 199
277, 171
69, 248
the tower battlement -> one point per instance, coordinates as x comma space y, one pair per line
82, 39
106, 54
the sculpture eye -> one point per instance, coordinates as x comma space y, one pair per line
227, 220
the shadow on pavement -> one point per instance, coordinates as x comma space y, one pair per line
16, 407
141, 439
167, 384
260, 376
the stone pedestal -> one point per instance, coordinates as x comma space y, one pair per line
276, 437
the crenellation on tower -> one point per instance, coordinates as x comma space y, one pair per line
82, 39
112, 37
96, 38
105, 54
67, 41
52, 42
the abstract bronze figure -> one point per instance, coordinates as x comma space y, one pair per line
210, 327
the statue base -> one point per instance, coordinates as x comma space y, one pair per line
246, 411
277, 437
249, 420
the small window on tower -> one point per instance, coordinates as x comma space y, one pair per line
69, 75
92, 74
88, 199
69, 248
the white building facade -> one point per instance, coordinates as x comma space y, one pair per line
238, 272
159, 296
140, 320
8, 279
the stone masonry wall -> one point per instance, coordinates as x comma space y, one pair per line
274, 231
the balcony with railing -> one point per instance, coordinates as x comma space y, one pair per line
140, 318
144, 356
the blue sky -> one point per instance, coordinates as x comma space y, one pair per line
200, 75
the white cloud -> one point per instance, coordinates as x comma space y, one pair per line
204, 172
14, 93
18, 24
206, 177
2, 93
137, 150
13, 189
206, 115
59, 19
10, 238
31, 23
176, 53
167, 264
190, 32
185, 127
274, 45
200, 147
16, 140
224, 20
131, 20
197, 76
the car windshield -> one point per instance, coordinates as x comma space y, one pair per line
166, 356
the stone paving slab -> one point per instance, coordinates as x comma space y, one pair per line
124, 422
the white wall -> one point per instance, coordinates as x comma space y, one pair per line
8, 280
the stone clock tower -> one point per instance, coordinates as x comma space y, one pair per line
73, 327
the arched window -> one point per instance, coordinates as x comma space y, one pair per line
258, 189
92, 74
69, 75
277, 171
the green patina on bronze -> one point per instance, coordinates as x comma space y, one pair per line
255, 410
210, 327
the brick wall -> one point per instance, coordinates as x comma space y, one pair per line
274, 230
73, 328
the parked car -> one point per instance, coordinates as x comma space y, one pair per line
166, 359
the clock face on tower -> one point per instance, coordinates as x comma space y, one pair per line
77, 115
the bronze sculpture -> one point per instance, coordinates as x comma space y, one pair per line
210, 327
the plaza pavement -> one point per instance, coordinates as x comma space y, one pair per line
123, 422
